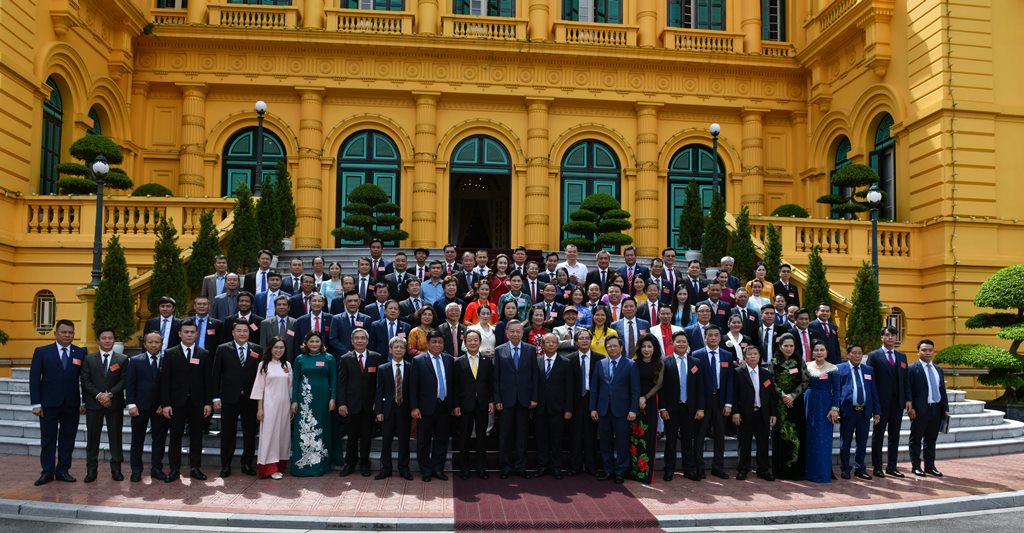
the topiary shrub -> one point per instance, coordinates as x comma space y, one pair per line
244, 241
114, 307
78, 176
206, 246
152, 189
790, 210
597, 223
816, 292
371, 214
269, 216
866, 314
168, 269
849, 179
741, 246
691, 220
286, 201
716, 232
772, 252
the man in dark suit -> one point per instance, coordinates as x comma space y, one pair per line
382, 331
292, 283
475, 374
583, 429
142, 391
614, 402
433, 400
754, 412
299, 301
244, 315
768, 333
257, 281
718, 398
103, 394
452, 330
375, 307
554, 407
234, 371
785, 286
357, 384
600, 274
671, 276
214, 283
858, 407
391, 407
225, 303
828, 333
467, 278
751, 320
265, 300
379, 267
397, 278
632, 270
185, 395
315, 320
649, 309
890, 366
803, 336
343, 324
695, 283
518, 260
929, 408
281, 325
681, 400
408, 307
210, 329
166, 324
552, 309
364, 281
720, 310
696, 332
516, 386
54, 390
629, 327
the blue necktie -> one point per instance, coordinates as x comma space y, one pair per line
263, 281
441, 392
547, 371
515, 357
859, 400
615, 365
64, 358
933, 377
202, 333
681, 363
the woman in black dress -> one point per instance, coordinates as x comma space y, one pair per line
643, 437
790, 384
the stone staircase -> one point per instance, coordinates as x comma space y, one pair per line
974, 430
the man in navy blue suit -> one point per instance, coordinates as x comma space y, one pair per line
696, 333
375, 307
719, 310
379, 267
382, 331
632, 269
629, 327
827, 332
166, 324
858, 404
891, 381
681, 403
265, 305
315, 320
929, 407
54, 391
614, 403
718, 397
142, 392
516, 386
433, 401
391, 405
344, 323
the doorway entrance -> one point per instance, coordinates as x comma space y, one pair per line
480, 197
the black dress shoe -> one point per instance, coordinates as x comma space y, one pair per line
767, 476
619, 480
196, 473
505, 474
384, 474
603, 477
347, 470
65, 477
863, 475
406, 476
90, 477
173, 476
933, 472
44, 479
918, 472
845, 475
668, 476
523, 474
365, 471
894, 472
481, 473
463, 474
441, 475
225, 472
691, 476
158, 475
539, 472
248, 470
556, 473
136, 477
426, 478
572, 472
719, 474
742, 476
116, 475
879, 473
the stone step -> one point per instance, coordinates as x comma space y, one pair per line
12, 384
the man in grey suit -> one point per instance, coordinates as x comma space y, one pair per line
614, 403
103, 388
516, 383
214, 283
226, 304
279, 325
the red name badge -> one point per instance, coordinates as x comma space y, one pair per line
725, 364
794, 370
372, 370
211, 332
359, 323
290, 333
721, 311
903, 365
867, 377
666, 291
767, 383
77, 362
285, 369
823, 377
253, 327
327, 329
565, 294
193, 361
401, 334
643, 332
554, 314
320, 363
254, 355
380, 269
693, 370
114, 367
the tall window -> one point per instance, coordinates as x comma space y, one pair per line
588, 167
490, 8
773, 20
367, 156
94, 123
240, 159
609, 11
842, 159
378, 5
172, 4
694, 162
53, 121
883, 160
697, 14
262, 2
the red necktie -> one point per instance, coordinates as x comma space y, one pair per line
449, 269
807, 346
361, 369
374, 269
666, 338
316, 323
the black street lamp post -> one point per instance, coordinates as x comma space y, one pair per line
874, 198
100, 168
257, 184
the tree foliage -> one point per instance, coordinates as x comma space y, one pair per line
268, 214
866, 314
599, 222
817, 288
850, 179
370, 214
691, 220
244, 241
772, 252
168, 268
716, 232
1004, 368
78, 177
285, 200
114, 307
152, 189
204, 249
741, 246
790, 210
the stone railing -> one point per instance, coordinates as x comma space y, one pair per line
369, 21
167, 15
74, 217
777, 49
703, 40
595, 33
253, 16
831, 14
474, 27
851, 238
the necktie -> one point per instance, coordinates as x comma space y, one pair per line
375, 269
188, 354
449, 269
757, 388
933, 379
472, 365
64, 358
515, 357
681, 363
743, 313
391, 330
281, 328
153, 365
269, 311
696, 286
767, 342
362, 288
615, 313
585, 371
603, 274
630, 275
263, 281
105, 368
469, 278
671, 280
306, 301
416, 304
316, 323
441, 392
807, 345
629, 337
859, 400
615, 365
361, 368
296, 283
455, 339
398, 385
714, 367
824, 327
164, 331
202, 332
419, 273
380, 310
533, 291
241, 355
892, 360
547, 371
547, 311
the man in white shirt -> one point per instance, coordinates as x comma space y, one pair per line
391, 406
583, 433
929, 408
577, 271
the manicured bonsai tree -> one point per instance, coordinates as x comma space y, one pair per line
866, 314
371, 214
691, 220
78, 177
206, 246
1002, 290
152, 189
790, 210
741, 246
114, 307
772, 252
716, 232
168, 268
244, 241
598, 223
816, 292
850, 178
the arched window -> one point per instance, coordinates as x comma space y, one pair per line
95, 128
842, 159
698, 14
53, 122
378, 5
588, 167
883, 160
240, 159
608, 11
694, 162
489, 8
480, 199
773, 20
44, 311
367, 156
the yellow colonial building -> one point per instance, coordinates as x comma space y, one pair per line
488, 121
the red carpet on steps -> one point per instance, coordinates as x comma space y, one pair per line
573, 504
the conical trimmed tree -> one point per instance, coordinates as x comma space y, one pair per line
114, 307
168, 268
866, 315
816, 290
691, 220
741, 247
204, 249
716, 232
244, 242
268, 213
285, 200
772, 252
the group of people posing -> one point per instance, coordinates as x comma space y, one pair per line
596, 362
